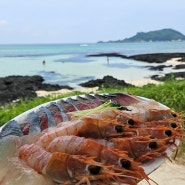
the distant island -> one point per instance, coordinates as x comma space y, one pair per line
153, 36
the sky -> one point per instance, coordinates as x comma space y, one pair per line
83, 21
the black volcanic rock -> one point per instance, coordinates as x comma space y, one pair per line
156, 57
150, 58
168, 76
15, 87
107, 82
182, 59
179, 66
159, 68
107, 55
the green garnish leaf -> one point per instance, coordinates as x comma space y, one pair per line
105, 105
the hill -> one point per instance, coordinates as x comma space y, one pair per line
159, 35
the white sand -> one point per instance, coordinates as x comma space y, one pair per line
143, 82
174, 61
168, 174
139, 83
42, 93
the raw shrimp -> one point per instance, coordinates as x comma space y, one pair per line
140, 108
84, 127
65, 168
159, 132
139, 148
151, 114
108, 156
162, 117
143, 129
129, 119
174, 123
144, 109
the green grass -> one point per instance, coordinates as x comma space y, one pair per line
10, 110
171, 94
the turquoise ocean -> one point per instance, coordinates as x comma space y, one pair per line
68, 64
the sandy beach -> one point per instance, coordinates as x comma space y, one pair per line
42, 93
174, 61
139, 83
142, 82
169, 173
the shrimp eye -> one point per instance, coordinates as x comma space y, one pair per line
173, 125
174, 115
125, 163
168, 132
94, 170
119, 128
131, 122
153, 145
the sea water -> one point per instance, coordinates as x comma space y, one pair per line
68, 64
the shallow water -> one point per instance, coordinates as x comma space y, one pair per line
67, 64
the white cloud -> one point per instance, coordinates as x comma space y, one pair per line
3, 22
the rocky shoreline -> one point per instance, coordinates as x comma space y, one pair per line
107, 82
12, 88
149, 58
159, 58
16, 87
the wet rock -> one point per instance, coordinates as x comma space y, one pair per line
107, 55
168, 76
182, 59
159, 68
107, 82
157, 57
150, 58
180, 66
